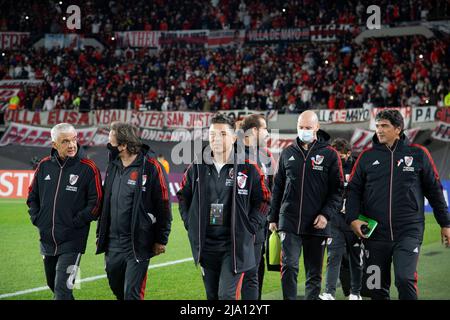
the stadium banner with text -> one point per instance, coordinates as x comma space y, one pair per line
277, 35
14, 184
137, 39
177, 135
441, 132
61, 40
362, 139
330, 32
183, 38
225, 38
143, 119
405, 111
424, 114
343, 115
279, 142
25, 135
19, 83
47, 118
13, 40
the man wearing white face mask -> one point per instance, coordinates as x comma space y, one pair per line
307, 192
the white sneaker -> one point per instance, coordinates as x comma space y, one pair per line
354, 297
326, 296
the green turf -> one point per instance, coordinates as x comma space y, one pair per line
21, 266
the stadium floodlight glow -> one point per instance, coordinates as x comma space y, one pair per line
3, 54
60, 3
112, 38
352, 97
427, 101
326, 61
64, 18
284, 9
27, 17
421, 56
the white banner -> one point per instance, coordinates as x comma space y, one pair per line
424, 114
330, 32
343, 116
277, 35
442, 132
406, 113
138, 39
47, 118
279, 142
72, 41
145, 120
12, 40
25, 135
19, 83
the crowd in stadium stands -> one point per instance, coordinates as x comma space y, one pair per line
380, 72
103, 17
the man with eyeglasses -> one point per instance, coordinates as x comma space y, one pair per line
63, 199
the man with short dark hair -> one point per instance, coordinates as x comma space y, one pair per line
343, 245
255, 136
64, 198
388, 184
136, 218
223, 203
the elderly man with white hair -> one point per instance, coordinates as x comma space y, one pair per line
64, 198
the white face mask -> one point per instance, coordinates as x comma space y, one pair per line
306, 136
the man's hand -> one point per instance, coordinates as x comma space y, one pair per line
445, 237
273, 226
320, 222
356, 227
158, 248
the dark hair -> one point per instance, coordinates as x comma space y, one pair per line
252, 121
220, 118
341, 145
393, 116
127, 134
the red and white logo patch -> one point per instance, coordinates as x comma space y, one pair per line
319, 159
73, 178
241, 180
408, 161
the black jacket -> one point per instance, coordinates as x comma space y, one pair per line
390, 184
306, 186
264, 159
63, 199
151, 216
249, 210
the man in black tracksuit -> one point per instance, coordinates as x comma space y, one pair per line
343, 245
307, 192
390, 181
64, 197
223, 203
255, 137
136, 218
